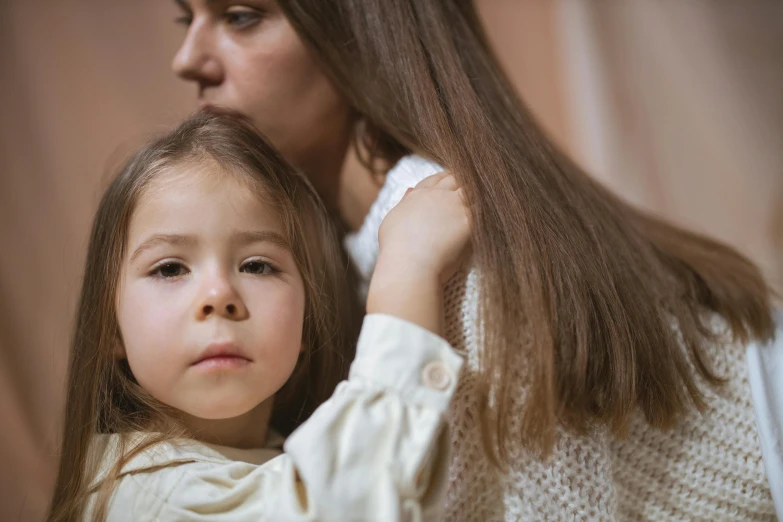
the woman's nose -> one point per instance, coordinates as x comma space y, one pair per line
197, 59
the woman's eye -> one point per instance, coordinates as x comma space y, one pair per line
170, 270
258, 268
241, 18
184, 20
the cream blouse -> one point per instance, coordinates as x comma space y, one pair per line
375, 451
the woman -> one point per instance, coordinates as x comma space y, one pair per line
596, 328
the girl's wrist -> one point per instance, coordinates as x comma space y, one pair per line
406, 265
408, 291
406, 271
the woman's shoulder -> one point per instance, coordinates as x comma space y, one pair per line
765, 374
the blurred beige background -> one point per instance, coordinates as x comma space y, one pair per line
677, 105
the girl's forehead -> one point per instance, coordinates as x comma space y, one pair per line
190, 195
208, 175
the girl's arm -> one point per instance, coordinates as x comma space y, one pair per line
422, 241
402, 379
378, 449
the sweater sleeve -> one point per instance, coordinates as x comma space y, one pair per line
375, 451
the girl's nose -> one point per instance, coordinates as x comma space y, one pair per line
219, 298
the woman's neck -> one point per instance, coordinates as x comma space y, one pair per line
347, 188
358, 190
247, 431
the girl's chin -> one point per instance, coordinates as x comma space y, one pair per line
217, 411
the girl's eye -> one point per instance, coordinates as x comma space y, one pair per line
170, 270
242, 17
258, 268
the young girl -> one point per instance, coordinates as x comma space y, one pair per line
214, 318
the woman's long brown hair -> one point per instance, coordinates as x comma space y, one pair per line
102, 395
609, 301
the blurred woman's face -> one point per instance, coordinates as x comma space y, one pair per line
244, 55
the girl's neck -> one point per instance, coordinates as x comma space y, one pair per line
248, 431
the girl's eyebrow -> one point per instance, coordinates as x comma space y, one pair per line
163, 239
241, 237
260, 236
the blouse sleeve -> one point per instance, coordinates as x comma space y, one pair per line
375, 451
765, 373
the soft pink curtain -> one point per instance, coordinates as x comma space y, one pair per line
83, 80
678, 105
527, 37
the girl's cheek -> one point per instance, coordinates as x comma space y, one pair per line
286, 308
147, 312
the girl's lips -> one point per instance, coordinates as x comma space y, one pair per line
222, 356
222, 362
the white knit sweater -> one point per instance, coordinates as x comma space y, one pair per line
708, 469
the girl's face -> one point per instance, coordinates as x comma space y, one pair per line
245, 56
211, 303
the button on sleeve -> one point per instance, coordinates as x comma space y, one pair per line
401, 356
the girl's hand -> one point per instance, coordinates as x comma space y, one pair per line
429, 229
423, 241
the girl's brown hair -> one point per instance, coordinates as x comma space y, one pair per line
102, 395
610, 301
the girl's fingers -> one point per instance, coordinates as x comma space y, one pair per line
447, 183
433, 180
464, 198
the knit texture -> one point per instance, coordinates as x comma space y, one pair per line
709, 468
